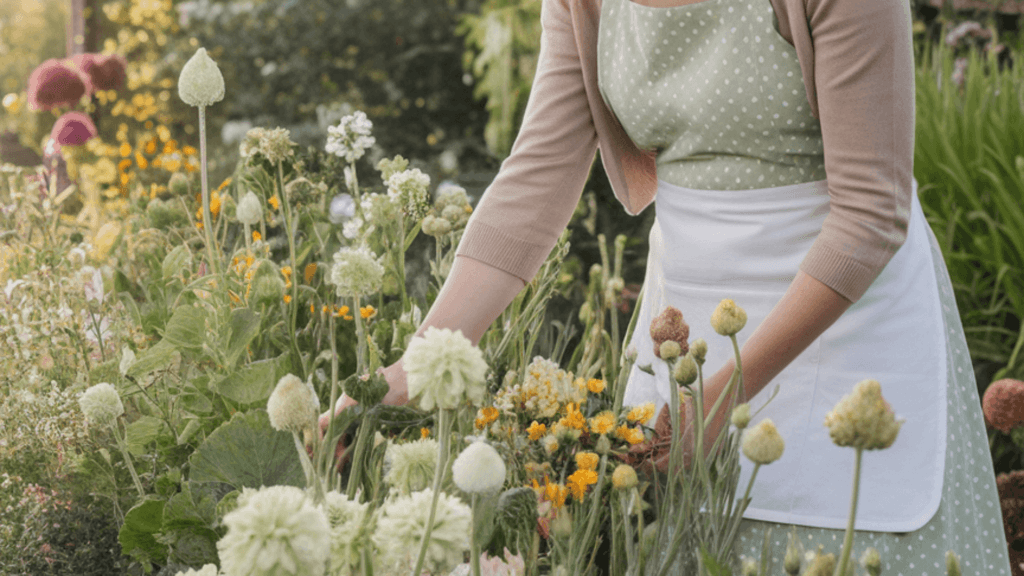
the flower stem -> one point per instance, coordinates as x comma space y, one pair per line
360, 339
123, 446
474, 544
248, 240
207, 219
312, 480
324, 458
293, 306
848, 539
355, 476
443, 426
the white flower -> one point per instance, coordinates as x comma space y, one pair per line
294, 405
249, 211
351, 228
410, 466
351, 137
356, 271
349, 535
275, 530
274, 145
400, 528
442, 366
101, 404
234, 130
763, 444
479, 468
127, 359
207, 570
200, 82
863, 419
409, 188
343, 207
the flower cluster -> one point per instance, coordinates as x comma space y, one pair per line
274, 145
356, 272
544, 391
350, 532
409, 189
351, 137
410, 466
400, 528
443, 368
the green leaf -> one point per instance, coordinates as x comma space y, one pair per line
153, 358
253, 383
244, 326
187, 327
246, 452
188, 510
143, 432
711, 565
177, 260
137, 535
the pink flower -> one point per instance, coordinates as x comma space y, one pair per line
54, 83
72, 129
1003, 404
105, 72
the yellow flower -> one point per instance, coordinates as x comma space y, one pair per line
536, 430
170, 147
573, 418
249, 260
578, 482
624, 477
367, 312
189, 151
274, 202
596, 386
151, 146
256, 236
309, 272
287, 299
631, 435
587, 461
728, 318
124, 165
312, 309
141, 161
125, 150
214, 204
603, 423
556, 494
485, 416
224, 184
424, 432
642, 413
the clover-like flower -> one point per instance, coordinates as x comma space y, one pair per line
356, 272
350, 532
53, 83
1003, 404
479, 468
763, 444
275, 530
249, 210
669, 325
101, 404
73, 129
294, 405
863, 419
728, 318
409, 189
351, 137
274, 145
410, 466
444, 367
200, 82
401, 525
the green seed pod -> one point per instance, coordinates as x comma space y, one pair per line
685, 371
178, 185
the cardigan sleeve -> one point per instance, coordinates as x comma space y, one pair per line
530, 202
864, 79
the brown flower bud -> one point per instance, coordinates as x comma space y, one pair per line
669, 325
1003, 404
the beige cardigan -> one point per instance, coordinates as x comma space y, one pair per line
857, 61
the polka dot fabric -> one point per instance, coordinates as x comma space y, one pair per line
969, 519
714, 88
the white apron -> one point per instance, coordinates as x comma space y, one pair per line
708, 245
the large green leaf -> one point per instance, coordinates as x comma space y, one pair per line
244, 325
254, 383
246, 452
153, 358
187, 327
137, 535
144, 431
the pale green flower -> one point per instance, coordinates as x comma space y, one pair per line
699, 348
351, 137
349, 532
741, 416
356, 271
409, 189
410, 466
479, 468
434, 226
273, 531
101, 404
400, 528
763, 444
274, 144
249, 210
863, 419
200, 82
670, 350
685, 371
443, 367
207, 570
728, 318
293, 406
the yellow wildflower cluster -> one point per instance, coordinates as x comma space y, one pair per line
578, 482
256, 236
367, 312
603, 423
553, 493
275, 203
536, 431
631, 435
641, 414
545, 390
485, 416
573, 418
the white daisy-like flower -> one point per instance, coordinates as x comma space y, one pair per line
443, 367
351, 137
410, 465
273, 531
479, 468
249, 210
350, 533
356, 271
400, 528
294, 405
101, 404
200, 82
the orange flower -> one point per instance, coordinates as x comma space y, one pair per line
536, 430
151, 146
424, 432
587, 461
125, 150
603, 423
287, 299
189, 151
596, 386
170, 146
486, 416
573, 418
141, 161
215, 204
274, 202
124, 165
367, 312
578, 482
312, 309
555, 493
642, 413
256, 236
631, 435
224, 184
309, 272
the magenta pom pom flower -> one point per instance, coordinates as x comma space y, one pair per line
54, 83
1003, 404
669, 325
72, 129
107, 72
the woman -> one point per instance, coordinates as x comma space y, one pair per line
698, 108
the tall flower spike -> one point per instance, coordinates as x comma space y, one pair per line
200, 82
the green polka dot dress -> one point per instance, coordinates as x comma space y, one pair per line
716, 90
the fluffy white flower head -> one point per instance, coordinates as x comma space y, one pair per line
443, 367
274, 145
249, 211
356, 271
275, 531
763, 444
479, 468
200, 82
349, 532
294, 405
400, 528
863, 419
351, 137
207, 570
410, 465
101, 404
409, 189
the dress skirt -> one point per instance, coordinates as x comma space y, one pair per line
934, 489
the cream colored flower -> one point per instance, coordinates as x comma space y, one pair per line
479, 468
728, 318
200, 82
699, 348
101, 404
293, 405
410, 465
863, 419
624, 477
741, 416
249, 210
443, 368
356, 271
400, 529
670, 349
350, 532
762, 443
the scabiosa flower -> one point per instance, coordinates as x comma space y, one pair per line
274, 144
249, 210
409, 189
762, 443
200, 82
669, 325
410, 466
356, 272
479, 468
443, 367
101, 404
350, 533
728, 318
275, 530
293, 406
207, 570
351, 137
1003, 404
73, 129
53, 83
400, 528
863, 419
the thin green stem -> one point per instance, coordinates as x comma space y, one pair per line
325, 456
123, 446
443, 425
844, 559
474, 543
293, 306
361, 347
207, 219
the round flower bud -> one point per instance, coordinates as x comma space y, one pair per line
822, 565
294, 405
871, 561
863, 419
479, 468
952, 564
793, 553
585, 312
728, 318
700, 351
741, 416
685, 371
631, 353
200, 82
624, 477
603, 445
762, 443
178, 184
249, 210
749, 567
1003, 404
669, 325
101, 404
669, 350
